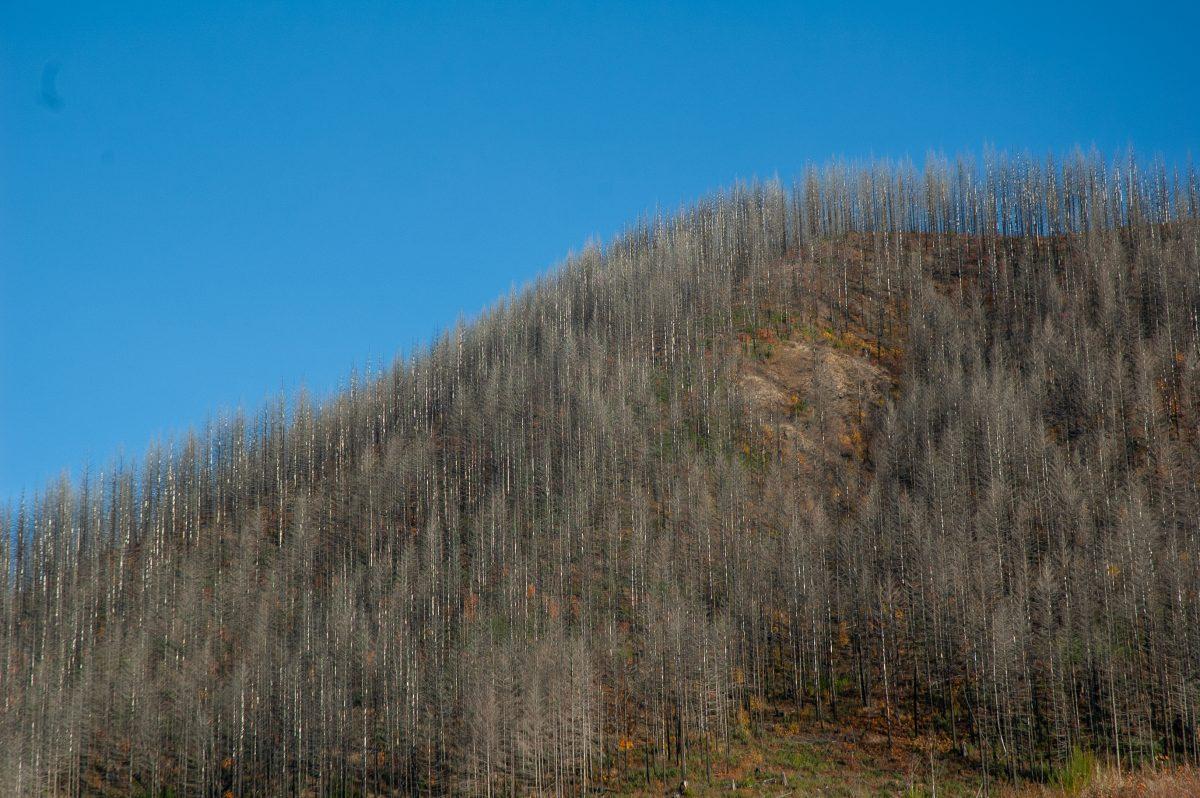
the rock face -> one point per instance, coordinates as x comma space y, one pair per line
816, 398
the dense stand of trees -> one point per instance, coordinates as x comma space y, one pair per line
560, 543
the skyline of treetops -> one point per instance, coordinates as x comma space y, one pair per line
205, 207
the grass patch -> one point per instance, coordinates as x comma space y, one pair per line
1074, 775
802, 759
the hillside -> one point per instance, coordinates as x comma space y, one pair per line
903, 459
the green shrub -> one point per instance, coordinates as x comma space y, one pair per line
1076, 773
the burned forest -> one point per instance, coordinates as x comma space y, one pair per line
918, 441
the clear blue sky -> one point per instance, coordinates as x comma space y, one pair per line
202, 204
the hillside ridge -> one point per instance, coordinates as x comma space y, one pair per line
910, 452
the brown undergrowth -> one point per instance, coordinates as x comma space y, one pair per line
785, 752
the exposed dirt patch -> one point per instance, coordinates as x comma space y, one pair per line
816, 398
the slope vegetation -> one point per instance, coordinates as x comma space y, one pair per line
912, 451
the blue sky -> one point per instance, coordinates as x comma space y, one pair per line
203, 204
